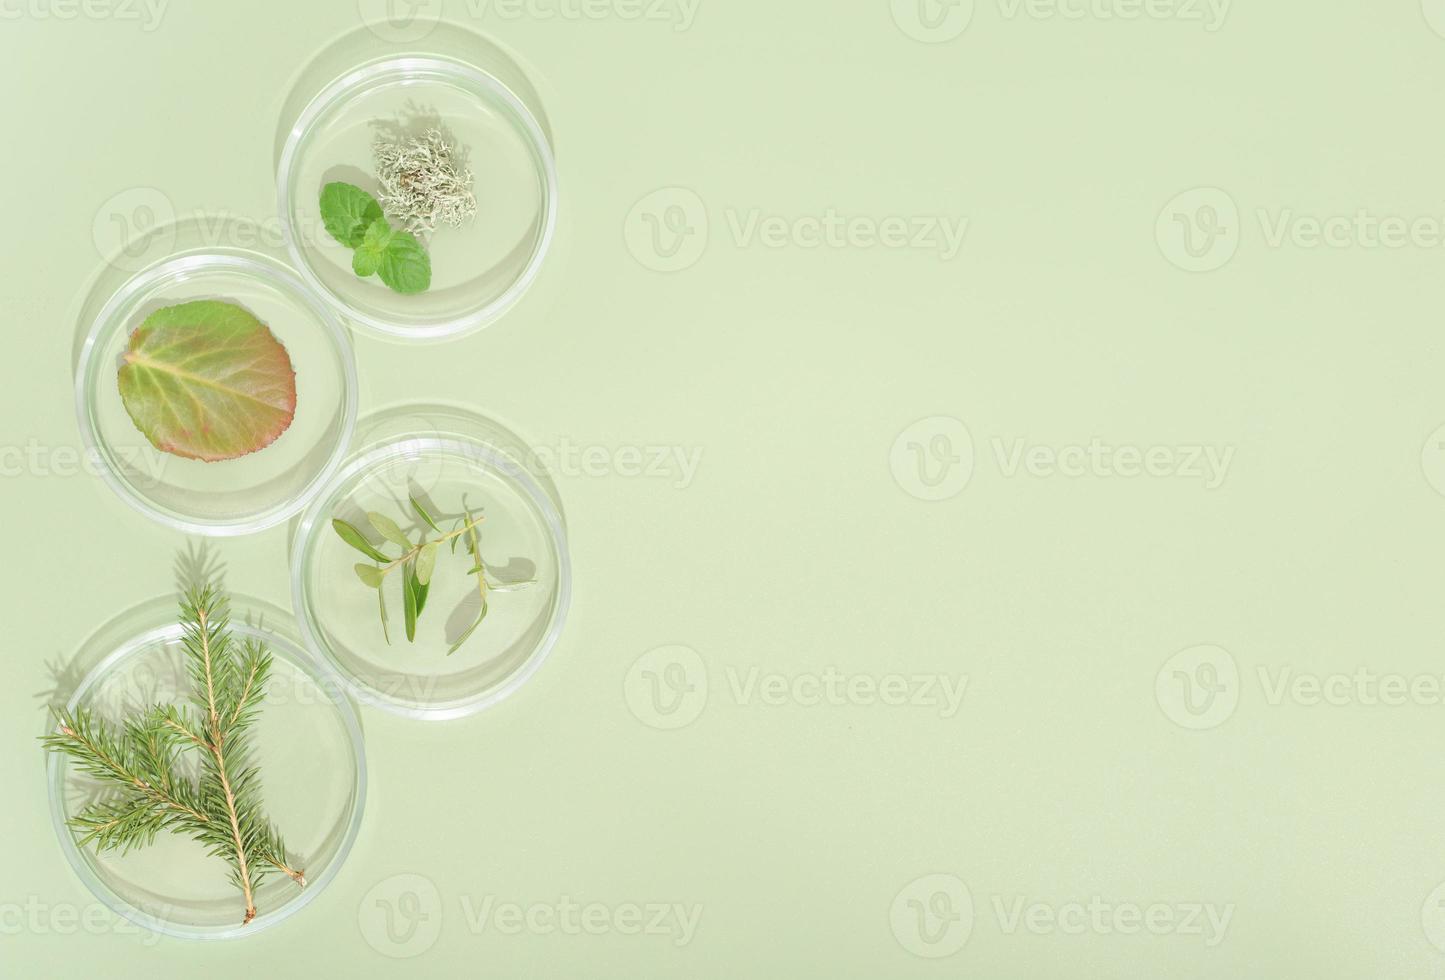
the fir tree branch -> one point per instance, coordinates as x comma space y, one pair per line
223, 810
207, 645
104, 755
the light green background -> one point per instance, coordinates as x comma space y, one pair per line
797, 547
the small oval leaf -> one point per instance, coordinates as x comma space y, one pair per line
356, 539
370, 575
425, 561
416, 505
409, 601
389, 529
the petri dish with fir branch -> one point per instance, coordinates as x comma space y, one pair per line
144, 812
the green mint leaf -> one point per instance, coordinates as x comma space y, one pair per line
207, 380
367, 258
378, 236
365, 262
405, 266
356, 539
348, 212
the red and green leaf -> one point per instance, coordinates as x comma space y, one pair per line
207, 380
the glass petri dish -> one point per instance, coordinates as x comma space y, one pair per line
479, 270
173, 886
524, 551
252, 492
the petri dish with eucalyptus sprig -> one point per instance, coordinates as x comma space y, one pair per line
499, 544
499, 158
307, 746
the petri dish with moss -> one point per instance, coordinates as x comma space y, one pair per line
449, 178
305, 745
432, 574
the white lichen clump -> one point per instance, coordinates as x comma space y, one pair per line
424, 181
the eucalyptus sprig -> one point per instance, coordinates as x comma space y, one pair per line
140, 759
417, 562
